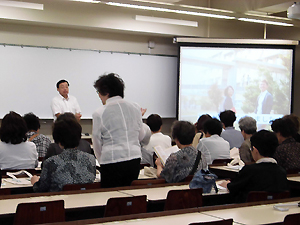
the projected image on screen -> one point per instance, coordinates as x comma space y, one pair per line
248, 81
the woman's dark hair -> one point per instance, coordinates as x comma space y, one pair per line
110, 84
67, 131
265, 142
154, 121
13, 128
285, 127
202, 119
226, 90
212, 126
32, 121
183, 131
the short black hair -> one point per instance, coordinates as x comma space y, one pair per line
285, 127
227, 117
61, 81
154, 121
265, 142
13, 128
213, 126
110, 84
67, 131
201, 120
183, 131
32, 121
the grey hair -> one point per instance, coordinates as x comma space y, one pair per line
248, 125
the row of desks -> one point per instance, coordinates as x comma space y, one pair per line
247, 214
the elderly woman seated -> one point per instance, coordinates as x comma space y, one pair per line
184, 162
72, 166
15, 151
248, 127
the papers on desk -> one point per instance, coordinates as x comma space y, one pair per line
237, 167
15, 180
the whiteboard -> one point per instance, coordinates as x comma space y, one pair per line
29, 76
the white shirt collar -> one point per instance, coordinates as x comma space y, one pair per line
112, 99
266, 160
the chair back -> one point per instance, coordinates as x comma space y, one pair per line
292, 219
218, 222
183, 199
126, 205
147, 182
40, 212
5, 191
255, 196
71, 187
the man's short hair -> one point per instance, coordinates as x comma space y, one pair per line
154, 121
265, 142
293, 118
183, 131
285, 127
110, 84
61, 81
32, 121
13, 128
227, 117
201, 120
213, 126
248, 125
67, 131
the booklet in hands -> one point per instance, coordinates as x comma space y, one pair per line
164, 153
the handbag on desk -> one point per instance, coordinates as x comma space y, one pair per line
205, 180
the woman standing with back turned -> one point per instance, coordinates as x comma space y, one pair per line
117, 132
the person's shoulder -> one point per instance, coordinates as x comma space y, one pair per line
29, 144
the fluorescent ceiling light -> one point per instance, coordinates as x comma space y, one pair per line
89, 1
166, 20
151, 8
267, 16
266, 22
26, 5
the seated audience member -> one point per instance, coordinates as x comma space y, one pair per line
234, 137
248, 127
55, 149
72, 166
154, 121
264, 175
15, 151
147, 156
287, 153
41, 141
213, 146
295, 120
181, 163
199, 129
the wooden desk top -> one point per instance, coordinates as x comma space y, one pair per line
252, 215
8, 206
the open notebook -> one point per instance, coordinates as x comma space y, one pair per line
15, 180
164, 153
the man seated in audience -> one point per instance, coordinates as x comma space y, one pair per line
234, 137
288, 152
213, 146
72, 166
41, 141
183, 162
15, 151
154, 121
55, 149
248, 127
264, 175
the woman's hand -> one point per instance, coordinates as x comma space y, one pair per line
34, 179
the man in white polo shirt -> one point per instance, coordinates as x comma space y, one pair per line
64, 102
